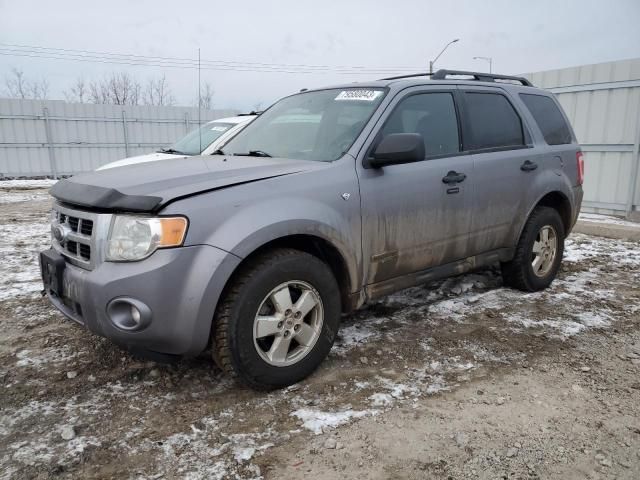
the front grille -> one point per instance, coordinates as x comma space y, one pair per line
72, 247
73, 235
85, 251
86, 227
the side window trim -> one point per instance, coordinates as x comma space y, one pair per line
454, 92
467, 128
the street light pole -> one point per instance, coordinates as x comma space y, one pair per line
432, 62
486, 59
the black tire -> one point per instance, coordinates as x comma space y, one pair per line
233, 336
519, 272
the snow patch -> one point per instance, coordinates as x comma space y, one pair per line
27, 184
317, 420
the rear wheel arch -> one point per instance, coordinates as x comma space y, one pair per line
558, 201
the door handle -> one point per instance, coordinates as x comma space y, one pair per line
454, 177
528, 166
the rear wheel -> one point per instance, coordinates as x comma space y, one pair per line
278, 319
539, 252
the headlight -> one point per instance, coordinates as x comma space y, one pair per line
134, 238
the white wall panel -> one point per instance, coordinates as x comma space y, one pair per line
85, 136
603, 104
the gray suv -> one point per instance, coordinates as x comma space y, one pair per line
331, 198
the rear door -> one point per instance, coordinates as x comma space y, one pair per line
555, 131
412, 219
505, 164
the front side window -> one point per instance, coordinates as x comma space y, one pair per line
319, 125
432, 115
547, 115
195, 142
492, 122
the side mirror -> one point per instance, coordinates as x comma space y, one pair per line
397, 148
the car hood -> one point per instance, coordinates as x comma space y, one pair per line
148, 187
150, 157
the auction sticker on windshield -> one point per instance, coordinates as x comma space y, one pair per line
218, 129
361, 95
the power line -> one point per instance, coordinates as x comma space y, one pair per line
178, 62
145, 64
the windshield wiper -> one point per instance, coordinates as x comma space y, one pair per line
217, 152
172, 150
252, 153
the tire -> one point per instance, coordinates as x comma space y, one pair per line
520, 272
253, 300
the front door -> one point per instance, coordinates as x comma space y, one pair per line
417, 215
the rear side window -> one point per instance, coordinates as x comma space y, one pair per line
549, 118
493, 122
432, 115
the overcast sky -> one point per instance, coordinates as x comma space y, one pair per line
521, 36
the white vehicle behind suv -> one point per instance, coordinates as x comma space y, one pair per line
203, 141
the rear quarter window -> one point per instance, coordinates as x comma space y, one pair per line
549, 118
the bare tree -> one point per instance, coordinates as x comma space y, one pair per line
206, 96
117, 89
158, 93
40, 89
18, 86
79, 91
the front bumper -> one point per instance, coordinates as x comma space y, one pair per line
181, 287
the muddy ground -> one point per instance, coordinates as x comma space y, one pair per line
457, 379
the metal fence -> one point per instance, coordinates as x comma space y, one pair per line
53, 138
603, 104
39, 138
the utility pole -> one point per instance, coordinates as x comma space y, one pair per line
432, 62
199, 102
486, 59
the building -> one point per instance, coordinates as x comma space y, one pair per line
603, 104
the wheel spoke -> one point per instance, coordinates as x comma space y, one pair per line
306, 335
537, 263
537, 247
282, 300
267, 326
279, 349
306, 302
544, 235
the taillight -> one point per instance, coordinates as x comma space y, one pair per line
580, 162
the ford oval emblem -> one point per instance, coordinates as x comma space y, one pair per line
59, 233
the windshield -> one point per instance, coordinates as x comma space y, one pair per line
207, 134
318, 125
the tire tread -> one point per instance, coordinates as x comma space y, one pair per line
221, 348
514, 273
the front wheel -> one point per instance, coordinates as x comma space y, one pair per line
278, 319
539, 252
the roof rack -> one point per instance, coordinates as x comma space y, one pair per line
477, 76
426, 74
480, 77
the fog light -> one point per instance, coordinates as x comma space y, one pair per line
129, 314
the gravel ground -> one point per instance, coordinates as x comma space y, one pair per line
457, 379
